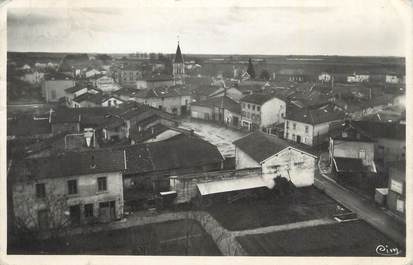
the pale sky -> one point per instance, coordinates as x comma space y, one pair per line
370, 28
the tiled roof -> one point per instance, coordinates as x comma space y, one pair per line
69, 164
176, 153
389, 130
260, 146
344, 164
313, 116
258, 99
221, 102
27, 126
90, 97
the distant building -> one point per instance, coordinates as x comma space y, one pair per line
54, 85
292, 75
106, 84
174, 100
69, 189
396, 197
154, 81
178, 66
310, 126
260, 111
358, 78
221, 109
276, 158
324, 77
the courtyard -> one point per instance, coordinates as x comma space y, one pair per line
303, 204
216, 134
355, 238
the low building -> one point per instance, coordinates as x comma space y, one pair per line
159, 80
310, 126
174, 100
276, 158
390, 139
54, 85
150, 166
396, 197
106, 84
262, 111
221, 109
72, 188
358, 78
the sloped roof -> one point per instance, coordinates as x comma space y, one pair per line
389, 130
69, 164
260, 146
344, 164
178, 152
221, 102
313, 116
178, 55
258, 99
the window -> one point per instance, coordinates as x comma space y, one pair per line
102, 184
294, 126
40, 190
362, 154
306, 129
88, 211
72, 186
258, 108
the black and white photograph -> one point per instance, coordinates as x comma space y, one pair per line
187, 128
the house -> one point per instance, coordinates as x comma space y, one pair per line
174, 100
324, 77
232, 92
310, 126
150, 165
221, 109
54, 85
396, 197
128, 75
106, 84
358, 78
351, 151
261, 111
292, 75
93, 99
68, 189
390, 139
91, 73
154, 81
276, 157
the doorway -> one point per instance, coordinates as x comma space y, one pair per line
74, 212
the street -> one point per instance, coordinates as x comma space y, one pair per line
216, 134
365, 209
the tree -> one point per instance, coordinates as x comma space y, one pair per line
250, 69
265, 75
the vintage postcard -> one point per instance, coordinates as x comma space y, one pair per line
139, 130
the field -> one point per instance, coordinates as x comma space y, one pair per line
355, 238
304, 204
184, 237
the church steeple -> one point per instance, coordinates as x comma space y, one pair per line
178, 55
178, 66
